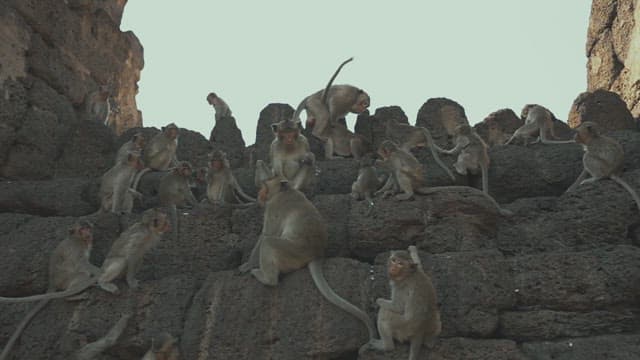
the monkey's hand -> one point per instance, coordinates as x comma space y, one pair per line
244, 268
135, 193
373, 344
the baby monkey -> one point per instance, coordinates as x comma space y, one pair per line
412, 313
603, 158
367, 183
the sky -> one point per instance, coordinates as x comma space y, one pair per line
485, 55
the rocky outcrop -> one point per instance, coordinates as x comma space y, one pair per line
441, 116
604, 108
613, 50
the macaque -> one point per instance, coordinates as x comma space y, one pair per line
473, 154
93, 349
135, 144
294, 235
537, 121
412, 313
603, 158
409, 137
367, 183
219, 105
343, 142
174, 191
222, 186
116, 188
326, 106
160, 153
165, 348
126, 253
407, 174
69, 269
290, 154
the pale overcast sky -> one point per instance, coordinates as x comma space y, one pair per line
485, 55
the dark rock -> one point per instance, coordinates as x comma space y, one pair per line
372, 127
60, 197
498, 126
441, 116
612, 347
604, 108
264, 134
226, 136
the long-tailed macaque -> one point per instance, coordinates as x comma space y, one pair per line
164, 348
343, 142
294, 235
407, 174
174, 191
222, 186
160, 153
367, 183
69, 267
603, 158
135, 144
93, 349
326, 106
412, 313
290, 154
408, 137
538, 120
219, 105
473, 155
116, 188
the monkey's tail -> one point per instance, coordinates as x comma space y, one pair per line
325, 93
315, 267
625, 185
78, 288
25, 321
138, 176
433, 147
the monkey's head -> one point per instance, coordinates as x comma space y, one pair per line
271, 187
287, 132
200, 175
211, 98
525, 110
463, 129
138, 140
218, 160
134, 160
156, 220
170, 131
83, 231
183, 169
362, 102
367, 160
587, 131
400, 265
386, 148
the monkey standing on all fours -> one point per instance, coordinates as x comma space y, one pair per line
69, 268
412, 314
293, 236
538, 120
325, 107
603, 158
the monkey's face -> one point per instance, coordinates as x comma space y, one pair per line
399, 267
289, 138
201, 176
362, 103
211, 98
139, 142
84, 233
160, 224
186, 171
217, 164
171, 132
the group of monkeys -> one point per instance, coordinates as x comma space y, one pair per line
294, 234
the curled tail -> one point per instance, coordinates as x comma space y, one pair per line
625, 185
78, 288
433, 147
23, 324
315, 267
138, 176
325, 93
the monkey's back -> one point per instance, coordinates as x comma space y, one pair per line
604, 156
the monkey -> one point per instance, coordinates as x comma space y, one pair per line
174, 191
125, 255
603, 158
166, 348
294, 235
219, 105
116, 192
412, 313
135, 144
222, 186
537, 121
290, 154
343, 142
69, 267
160, 152
367, 183
326, 106
473, 154
407, 173
409, 137
93, 349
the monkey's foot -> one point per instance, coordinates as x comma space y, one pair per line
404, 197
260, 276
588, 181
373, 344
109, 287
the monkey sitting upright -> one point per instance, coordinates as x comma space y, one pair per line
160, 152
116, 187
174, 191
326, 106
135, 144
69, 267
412, 314
290, 155
603, 158
406, 172
222, 186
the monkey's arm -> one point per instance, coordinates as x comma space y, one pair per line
389, 305
461, 143
238, 189
413, 252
